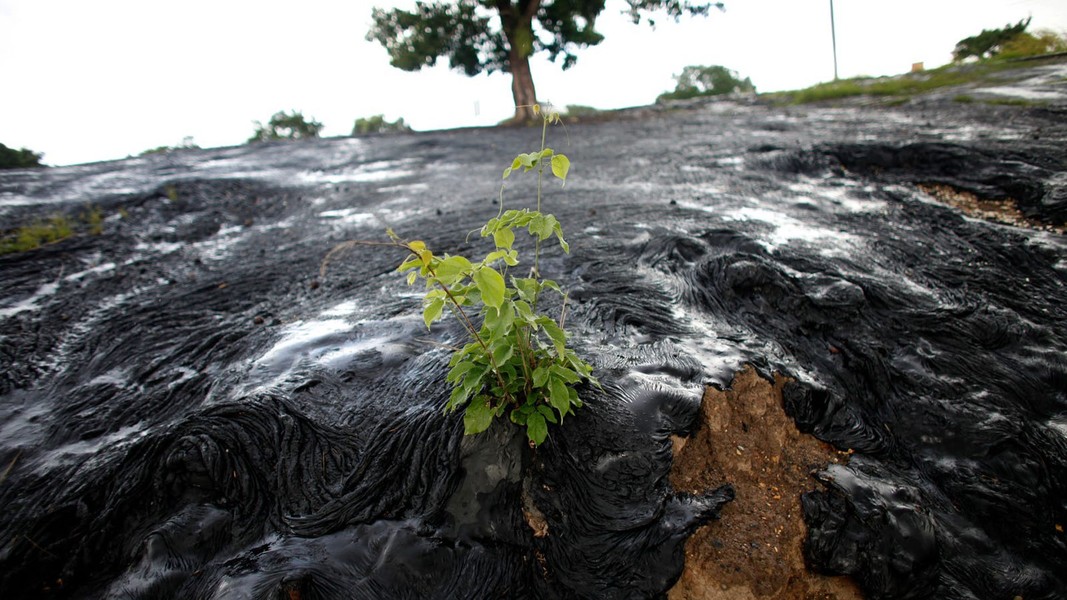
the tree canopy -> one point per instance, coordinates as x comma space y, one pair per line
989, 42
715, 80
486, 36
286, 126
378, 124
18, 159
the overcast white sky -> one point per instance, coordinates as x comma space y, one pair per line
89, 80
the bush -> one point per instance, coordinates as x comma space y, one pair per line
1033, 44
715, 80
378, 124
19, 159
286, 126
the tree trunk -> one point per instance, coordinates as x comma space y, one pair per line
522, 88
517, 23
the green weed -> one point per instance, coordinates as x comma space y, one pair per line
517, 362
49, 230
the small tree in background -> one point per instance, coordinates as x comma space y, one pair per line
286, 126
988, 43
715, 80
500, 35
378, 124
19, 159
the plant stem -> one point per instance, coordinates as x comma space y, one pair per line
540, 176
474, 332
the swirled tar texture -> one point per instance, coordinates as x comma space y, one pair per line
194, 405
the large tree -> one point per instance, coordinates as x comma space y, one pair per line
500, 35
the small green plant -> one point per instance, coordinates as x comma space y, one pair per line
54, 228
36, 234
93, 217
517, 362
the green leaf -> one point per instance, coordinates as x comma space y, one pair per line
559, 337
539, 227
527, 161
491, 286
432, 312
518, 417
478, 416
458, 397
458, 371
452, 269
540, 376
560, 396
536, 428
527, 287
499, 320
524, 311
547, 413
561, 165
507, 172
502, 351
412, 263
546, 153
504, 238
473, 380
565, 374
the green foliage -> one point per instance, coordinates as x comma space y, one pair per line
1033, 44
988, 43
894, 87
286, 126
187, 144
477, 35
93, 218
673, 8
517, 363
54, 228
378, 124
18, 159
713, 80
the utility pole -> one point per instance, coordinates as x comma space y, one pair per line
833, 36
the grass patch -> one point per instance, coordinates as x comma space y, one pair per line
50, 230
1016, 102
901, 86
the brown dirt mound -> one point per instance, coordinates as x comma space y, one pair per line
755, 549
1001, 211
